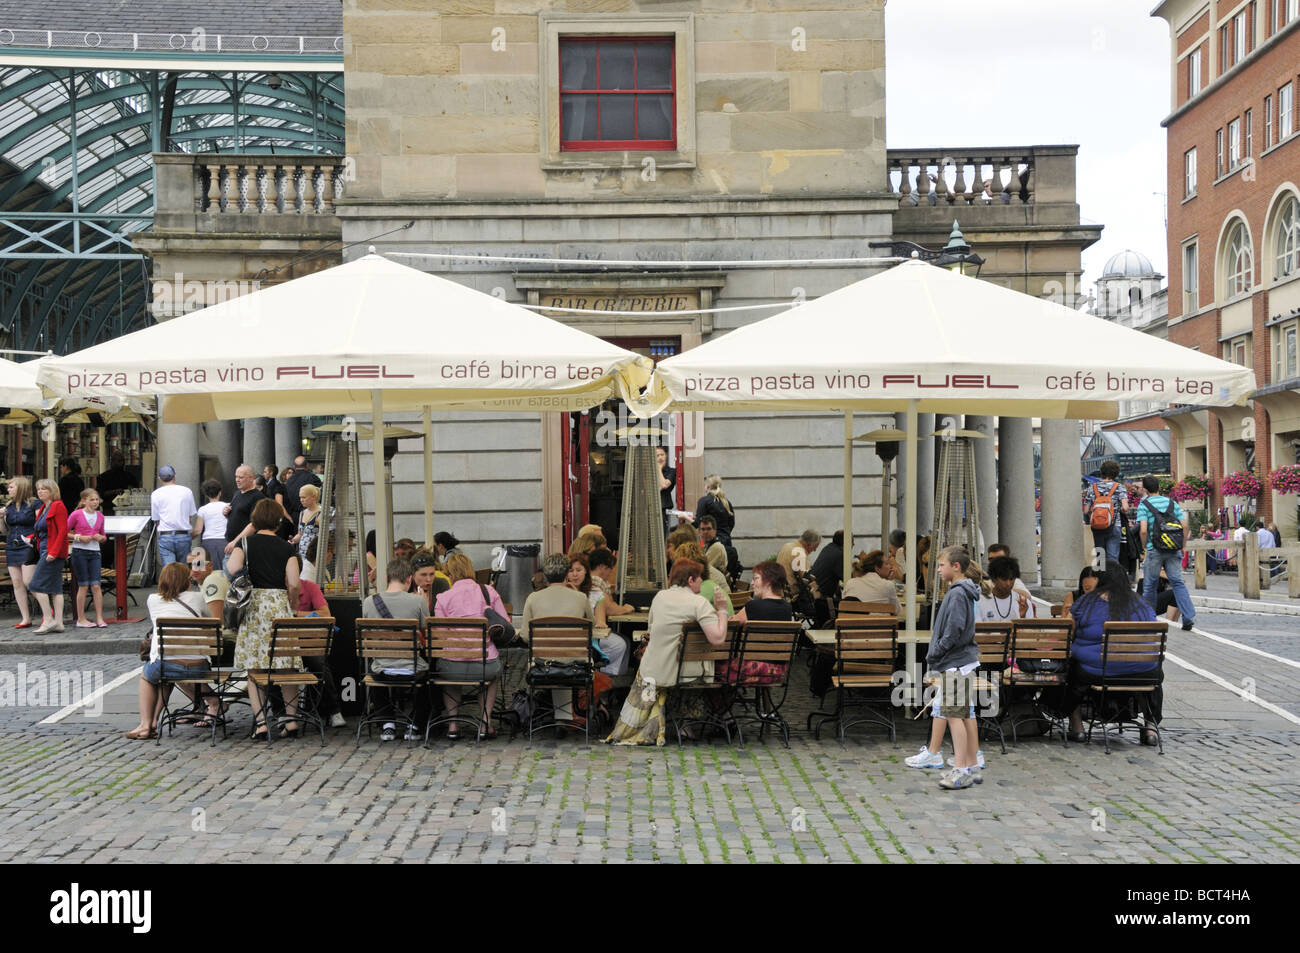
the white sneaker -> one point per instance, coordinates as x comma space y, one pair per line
337, 720
389, 732
925, 758
979, 760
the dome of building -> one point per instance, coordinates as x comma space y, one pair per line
1129, 264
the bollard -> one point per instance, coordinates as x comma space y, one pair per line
1293, 575
1248, 566
1199, 561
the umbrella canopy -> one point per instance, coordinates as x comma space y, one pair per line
322, 343
953, 343
18, 388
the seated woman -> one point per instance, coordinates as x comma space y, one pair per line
612, 647
872, 581
464, 600
642, 720
1088, 579
768, 605
713, 578
1112, 601
173, 600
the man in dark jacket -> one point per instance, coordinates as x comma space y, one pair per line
951, 662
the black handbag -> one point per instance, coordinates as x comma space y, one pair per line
559, 670
500, 629
238, 598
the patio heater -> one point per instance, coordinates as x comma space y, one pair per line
642, 562
956, 504
340, 544
887, 443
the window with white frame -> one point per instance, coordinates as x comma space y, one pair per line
1234, 143
1194, 73
1249, 121
1286, 240
1238, 262
1284, 11
1218, 153
1239, 37
1189, 173
1284, 112
1237, 350
1191, 299
1268, 121
1284, 341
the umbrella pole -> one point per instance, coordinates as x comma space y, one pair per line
428, 476
51, 444
847, 566
383, 548
910, 447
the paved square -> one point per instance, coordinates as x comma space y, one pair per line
1227, 788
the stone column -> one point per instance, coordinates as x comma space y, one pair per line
1016, 493
178, 445
259, 443
288, 441
986, 476
1062, 516
224, 436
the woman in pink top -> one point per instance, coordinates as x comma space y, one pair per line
464, 600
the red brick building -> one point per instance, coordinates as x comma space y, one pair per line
1234, 227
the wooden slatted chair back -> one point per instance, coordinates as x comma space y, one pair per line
1140, 643
456, 639
560, 638
183, 639
387, 639
301, 638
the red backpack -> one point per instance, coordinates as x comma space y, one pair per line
1103, 507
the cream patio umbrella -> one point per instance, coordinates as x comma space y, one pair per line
923, 339
357, 338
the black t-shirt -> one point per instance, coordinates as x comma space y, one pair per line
70, 487
768, 610
666, 500
272, 488
267, 558
295, 483
110, 483
241, 511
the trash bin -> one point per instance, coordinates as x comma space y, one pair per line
516, 584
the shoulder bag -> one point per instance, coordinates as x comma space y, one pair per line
238, 596
500, 629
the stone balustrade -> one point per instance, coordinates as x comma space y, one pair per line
966, 177
226, 184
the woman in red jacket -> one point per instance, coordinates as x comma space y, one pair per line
52, 538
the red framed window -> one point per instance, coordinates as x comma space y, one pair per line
617, 93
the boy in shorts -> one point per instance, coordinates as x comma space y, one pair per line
952, 661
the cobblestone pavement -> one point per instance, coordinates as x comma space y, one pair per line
1227, 789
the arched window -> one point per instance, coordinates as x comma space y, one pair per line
1238, 261
1286, 240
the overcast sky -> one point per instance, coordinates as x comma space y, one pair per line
1007, 73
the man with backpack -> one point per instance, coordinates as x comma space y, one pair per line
1103, 502
1164, 527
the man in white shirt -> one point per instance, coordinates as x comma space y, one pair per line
172, 507
1266, 540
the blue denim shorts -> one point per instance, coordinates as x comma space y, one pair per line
157, 671
86, 566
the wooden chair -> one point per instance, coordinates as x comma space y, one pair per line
186, 640
1129, 643
295, 638
695, 648
396, 639
993, 639
854, 608
1043, 644
865, 653
740, 598
773, 643
560, 657
459, 639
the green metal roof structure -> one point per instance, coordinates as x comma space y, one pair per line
84, 103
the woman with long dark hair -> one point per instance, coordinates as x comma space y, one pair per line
1112, 601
